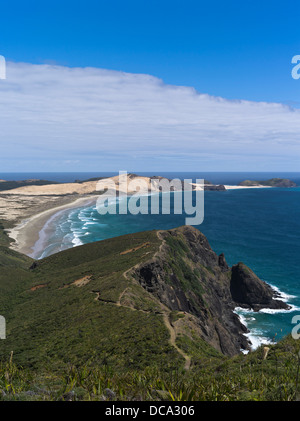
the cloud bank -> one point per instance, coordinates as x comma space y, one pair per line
55, 118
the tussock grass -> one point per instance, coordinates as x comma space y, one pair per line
245, 377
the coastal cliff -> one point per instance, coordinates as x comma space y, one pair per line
187, 275
158, 298
150, 314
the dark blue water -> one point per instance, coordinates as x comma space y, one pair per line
215, 177
260, 227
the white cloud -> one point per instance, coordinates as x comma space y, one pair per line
54, 114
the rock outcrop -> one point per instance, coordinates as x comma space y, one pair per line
188, 276
218, 187
248, 291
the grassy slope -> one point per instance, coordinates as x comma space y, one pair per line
4, 239
66, 323
240, 378
68, 341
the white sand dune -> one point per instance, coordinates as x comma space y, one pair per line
28, 208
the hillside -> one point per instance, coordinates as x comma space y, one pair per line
89, 302
147, 301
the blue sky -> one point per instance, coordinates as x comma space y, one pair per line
233, 49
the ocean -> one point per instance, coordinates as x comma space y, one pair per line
260, 227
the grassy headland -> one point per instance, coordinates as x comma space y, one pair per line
82, 321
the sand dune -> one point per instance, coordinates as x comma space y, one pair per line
27, 209
87, 187
54, 189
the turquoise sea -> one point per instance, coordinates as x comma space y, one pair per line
260, 227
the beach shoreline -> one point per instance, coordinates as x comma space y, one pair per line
29, 236
230, 187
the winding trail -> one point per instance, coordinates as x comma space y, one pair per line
172, 331
118, 303
165, 311
165, 314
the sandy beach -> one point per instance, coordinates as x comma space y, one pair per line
31, 210
227, 187
29, 236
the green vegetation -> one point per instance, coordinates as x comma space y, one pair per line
68, 320
4, 239
189, 277
79, 327
250, 377
175, 315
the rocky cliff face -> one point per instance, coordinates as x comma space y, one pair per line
186, 275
